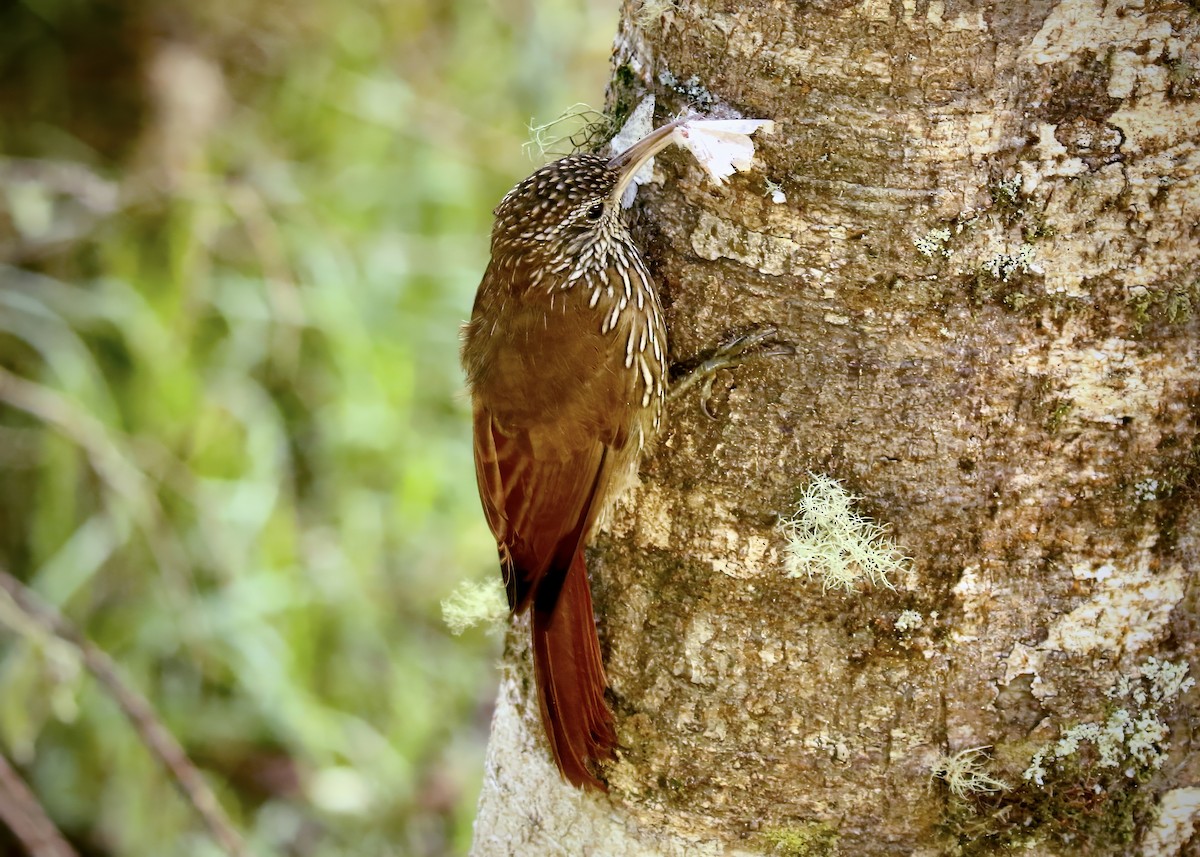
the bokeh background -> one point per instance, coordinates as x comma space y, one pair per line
237, 239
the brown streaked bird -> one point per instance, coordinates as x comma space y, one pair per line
566, 359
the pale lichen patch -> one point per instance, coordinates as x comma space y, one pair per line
909, 620
654, 521
836, 745
714, 238
1111, 383
1063, 34
1152, 122
1130, 608
1001, 266
1175, 826
695, 645
933, 243
1133, 736
1147, 490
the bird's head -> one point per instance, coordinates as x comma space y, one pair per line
576, 200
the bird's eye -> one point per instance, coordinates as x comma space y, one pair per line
595, 212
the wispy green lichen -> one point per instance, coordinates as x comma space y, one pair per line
472, 603
1016, 301
1058, 412
1174, 303
579, 128
1007, 192
964, 774
648, 12
1038, 228
1178, 304
827, 538
1087, 789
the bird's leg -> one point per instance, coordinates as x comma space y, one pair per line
727, 356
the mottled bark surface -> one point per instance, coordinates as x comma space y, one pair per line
989, 263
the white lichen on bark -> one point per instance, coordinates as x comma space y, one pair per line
829, 539
1175, 826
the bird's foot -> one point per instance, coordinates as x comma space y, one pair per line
733, 353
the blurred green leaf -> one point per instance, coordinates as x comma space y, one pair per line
240, 241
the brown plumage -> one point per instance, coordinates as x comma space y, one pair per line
566, 358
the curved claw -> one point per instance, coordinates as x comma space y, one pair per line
706, 397
731, 354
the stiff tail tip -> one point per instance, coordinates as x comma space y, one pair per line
571, 683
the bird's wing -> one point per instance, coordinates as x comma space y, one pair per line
540, 498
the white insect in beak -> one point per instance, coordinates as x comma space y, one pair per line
721, 146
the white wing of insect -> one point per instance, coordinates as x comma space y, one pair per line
721, 146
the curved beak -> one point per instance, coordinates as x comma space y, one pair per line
628, 163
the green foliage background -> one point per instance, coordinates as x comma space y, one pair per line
236, 242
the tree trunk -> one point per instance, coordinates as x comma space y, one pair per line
989, 264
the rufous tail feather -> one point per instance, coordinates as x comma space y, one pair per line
570, 680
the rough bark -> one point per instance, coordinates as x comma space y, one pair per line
989, 263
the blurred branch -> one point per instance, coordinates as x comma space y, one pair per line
287, 305
25, 817
122, 477
51, 205
157, 738
116, 469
